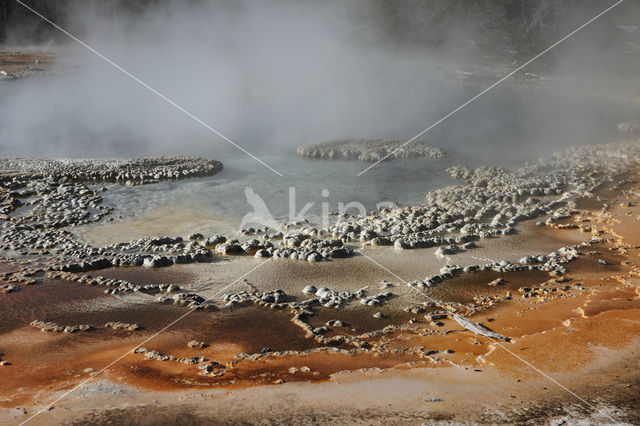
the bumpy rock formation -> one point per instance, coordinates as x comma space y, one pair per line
629, 128
122, 326
190, 300
197, 344
131, 171
58, 196
369, 150
51, 326
492, 201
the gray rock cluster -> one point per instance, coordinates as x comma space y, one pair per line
122, 326
133, 171
206, 366
278, 299
492, 201
233, 247
629, 128
336, 299
554, 263
333, 298
360, 344
157, 356
147, 252
301, 246
55, 203
115, 286
190, 300
51, 326
548, 290
369, 150
212, 369
298, 245
24, 276
275, 299
57, 196
275, 354
377, 299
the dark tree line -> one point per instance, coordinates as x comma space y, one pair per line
15, 18
522, 25
499, 25
20, 25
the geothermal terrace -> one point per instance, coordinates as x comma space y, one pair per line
354, 296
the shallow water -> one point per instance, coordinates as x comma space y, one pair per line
223, 195
506, 129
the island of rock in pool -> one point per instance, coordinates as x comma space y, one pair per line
369, 150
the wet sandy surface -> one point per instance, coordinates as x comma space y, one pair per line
180, 220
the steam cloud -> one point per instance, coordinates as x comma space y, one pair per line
271, 75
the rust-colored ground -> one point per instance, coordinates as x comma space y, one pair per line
16, 62
561, 333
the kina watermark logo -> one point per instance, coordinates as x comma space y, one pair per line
262, 216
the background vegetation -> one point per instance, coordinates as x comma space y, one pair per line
486, 27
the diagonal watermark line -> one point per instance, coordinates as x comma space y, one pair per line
172, 323
497, 83
542, 373
146, 86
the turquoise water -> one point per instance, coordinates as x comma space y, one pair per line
400, 182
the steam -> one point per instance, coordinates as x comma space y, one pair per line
270, 75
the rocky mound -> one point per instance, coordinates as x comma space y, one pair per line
491, 201
131, 171
629, 128
369, 150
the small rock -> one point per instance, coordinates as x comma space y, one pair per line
310, 289
314, 257
497, 282
197, 344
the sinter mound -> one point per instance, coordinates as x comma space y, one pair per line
369, 150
